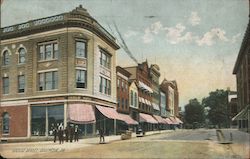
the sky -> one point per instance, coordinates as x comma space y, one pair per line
195, 42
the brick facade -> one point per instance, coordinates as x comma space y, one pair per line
64, 29
18, 122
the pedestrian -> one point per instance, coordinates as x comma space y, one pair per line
71, 134
60, 133
54, 129
102, 140
76, 132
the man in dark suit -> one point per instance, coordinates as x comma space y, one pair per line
76, 133
102, 140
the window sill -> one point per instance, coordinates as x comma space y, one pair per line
41, 61
5, 134
52, 90
21, 64
21, 93
108, 95
106, 68
82, 58
81, 88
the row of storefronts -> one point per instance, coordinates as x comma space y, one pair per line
62, 70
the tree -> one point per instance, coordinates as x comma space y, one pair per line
217, 103
194, 112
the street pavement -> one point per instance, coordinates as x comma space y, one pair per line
199, 143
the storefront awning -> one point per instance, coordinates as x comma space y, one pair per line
145, 87
127, 119
174, 121
147, 118
110, 113
168, 121
155, 106
178, 120
81, 114
242, 115
159, 119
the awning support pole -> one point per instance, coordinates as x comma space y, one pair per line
115, 126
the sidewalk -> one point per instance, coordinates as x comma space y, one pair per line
23, 149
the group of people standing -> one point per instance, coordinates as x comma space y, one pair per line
68, 134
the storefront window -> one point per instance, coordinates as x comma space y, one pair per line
38, 121
54, 115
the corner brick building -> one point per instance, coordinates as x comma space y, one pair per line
59, 69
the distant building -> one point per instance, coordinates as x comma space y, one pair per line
58, 69
155, 75
141, 75
133, 100
163, 104
122, 90
242, 72
232, 106
172, 96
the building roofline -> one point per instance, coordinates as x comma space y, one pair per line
78, 17
242, 48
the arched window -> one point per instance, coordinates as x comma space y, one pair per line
6, 58
6, 123
21, 58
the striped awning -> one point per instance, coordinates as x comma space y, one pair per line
147, 118
159, 119
81, 113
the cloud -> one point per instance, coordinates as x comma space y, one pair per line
210, 37
175, 34
235, 38
130, 33
147, 37
194, 19
156, 27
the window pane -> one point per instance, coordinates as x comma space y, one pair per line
5, 85
80, 78
41, 81
48, 80
55, 51
48, 52
41, 52
22, 55
80, 49
38, 121
6, 58
55, 116
6, 128
55, 80
21, 83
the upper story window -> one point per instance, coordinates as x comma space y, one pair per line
5, 85
21, 55
21, 83
6, 58
105, 59
81, 49
48, 80
6, 123
135, 99
131, 98
81, 80
105, 86
118, 83
48, 51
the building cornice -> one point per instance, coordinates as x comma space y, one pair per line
65, 20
